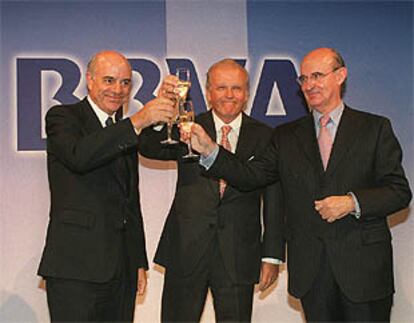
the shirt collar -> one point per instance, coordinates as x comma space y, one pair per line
102, 116
335, 115
235, 124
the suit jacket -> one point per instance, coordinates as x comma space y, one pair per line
197, 214
94, 205
366, 160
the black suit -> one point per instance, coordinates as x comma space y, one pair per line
200, 223
95, 227
365, 160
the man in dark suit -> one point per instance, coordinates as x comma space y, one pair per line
341, 176
94, 260
213, 240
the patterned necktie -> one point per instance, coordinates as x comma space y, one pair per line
225, 130
324, 140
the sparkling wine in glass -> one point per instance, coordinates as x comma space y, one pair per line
184, 83
186, 119
181, 92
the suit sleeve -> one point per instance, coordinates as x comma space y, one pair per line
149, 145
81, 152
250, 175
391, 191
273, 242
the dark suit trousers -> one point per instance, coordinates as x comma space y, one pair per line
325, 302
183, 298
83, 301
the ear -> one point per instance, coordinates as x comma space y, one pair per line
208, 97
89, 80
342, 74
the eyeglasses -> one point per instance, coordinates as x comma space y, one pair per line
314, 77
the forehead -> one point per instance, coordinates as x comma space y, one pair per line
115, 68
317, 62
225, 74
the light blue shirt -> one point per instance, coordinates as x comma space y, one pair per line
332, 125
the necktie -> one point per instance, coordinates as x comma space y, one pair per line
225, 130
109, 121
324, 140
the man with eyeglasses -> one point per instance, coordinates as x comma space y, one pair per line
341, 176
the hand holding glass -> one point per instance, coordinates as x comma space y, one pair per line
181, 91
186, 119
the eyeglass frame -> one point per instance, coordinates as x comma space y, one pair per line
315, 76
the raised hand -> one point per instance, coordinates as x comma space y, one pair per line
200, 140
167, 88
158, 110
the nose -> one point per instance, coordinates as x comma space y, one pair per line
308, 84
229, 92
117, 88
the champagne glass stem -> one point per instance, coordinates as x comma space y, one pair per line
190, 151
169, 129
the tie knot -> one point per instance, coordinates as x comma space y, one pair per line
225, 130
109, 121
324, 120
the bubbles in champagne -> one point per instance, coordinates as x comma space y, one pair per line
186, 121
182, 89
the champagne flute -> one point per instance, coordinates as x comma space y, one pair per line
186, 119
184, 83
181, 91
169, 140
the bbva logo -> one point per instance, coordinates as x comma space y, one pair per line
275, 100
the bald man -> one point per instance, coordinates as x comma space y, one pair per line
341, 176
94, 260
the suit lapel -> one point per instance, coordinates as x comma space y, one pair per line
118, 165
89, 118
346, 136
246, 140
206, 120
306, 137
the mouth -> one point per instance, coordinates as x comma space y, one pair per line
228, 102
312, 93
114, 98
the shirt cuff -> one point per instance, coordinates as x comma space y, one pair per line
208, 161
273, 261
158, 127
357, 212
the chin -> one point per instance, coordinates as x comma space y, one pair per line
314, 103
114, 106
